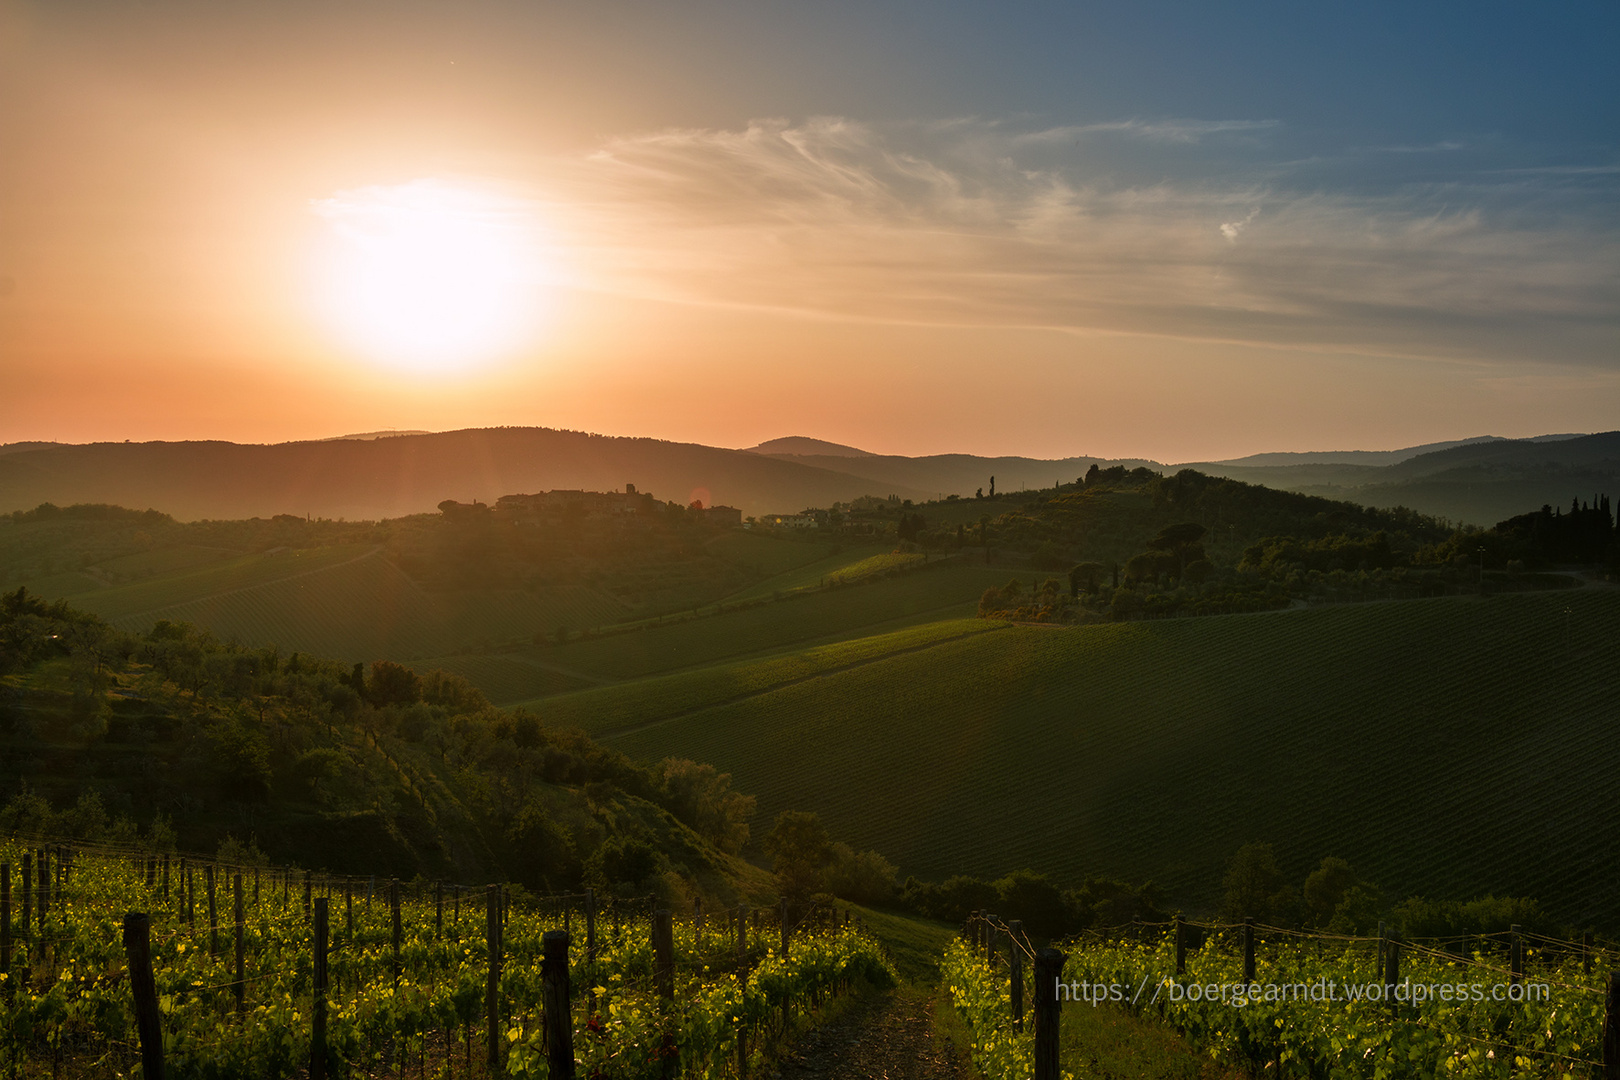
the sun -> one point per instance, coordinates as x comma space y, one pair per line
428, 275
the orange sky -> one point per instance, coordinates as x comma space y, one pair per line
177, 182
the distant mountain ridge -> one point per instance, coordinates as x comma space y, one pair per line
802, 445
1480, 480
409, 474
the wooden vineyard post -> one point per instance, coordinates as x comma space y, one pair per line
664, 978
185, 887
1181, 945
1248, 951
989, 937
393, 909
438, 910
138, 949
555, 998
27, 892
1516, 955
317, 1028
308, 892
213, 917
492, 990
1611, 1030
742, 964
165, 877
5, 928
348, 911
1016, 957
1392, 969
590, 925
241, 971
45, 889
1586, 953
1048, 1010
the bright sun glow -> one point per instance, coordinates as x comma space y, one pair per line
428, 276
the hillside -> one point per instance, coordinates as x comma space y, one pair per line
408, 474
197, 744
1480, 482
1447, 747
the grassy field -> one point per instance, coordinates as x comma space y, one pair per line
947, 591
347, 602
191, 584
646, 701
1449, 747
811, 574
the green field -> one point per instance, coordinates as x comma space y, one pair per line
347, 602
809, 575
647, 701
1448, 747
949, 590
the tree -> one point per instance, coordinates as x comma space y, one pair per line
1254, 885
702, 797
992, 487
1325, 888
1181, 542
1085, 576
800, 851
1091, 474
393, 684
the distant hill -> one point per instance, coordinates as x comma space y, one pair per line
409, 474
1350, 457
389, 474
23, 447
801, 445
391, 433
1480, 482
940, 475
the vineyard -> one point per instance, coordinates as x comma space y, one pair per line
1445, 747
647, 701
346, 602
258, 972
806, 619
1292, 1004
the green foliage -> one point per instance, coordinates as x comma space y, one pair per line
800, 852
703, 798
1254, 887
1455, 1036
984, 1001
420, 776
76, 1013
862, 876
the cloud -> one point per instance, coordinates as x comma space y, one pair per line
1163, 131
1230, 229
953, 224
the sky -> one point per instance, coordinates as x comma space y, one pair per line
1177, 231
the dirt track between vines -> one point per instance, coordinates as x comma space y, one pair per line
888, 1037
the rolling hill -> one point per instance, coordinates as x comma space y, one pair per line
1447, 747
1480, 481
409, 474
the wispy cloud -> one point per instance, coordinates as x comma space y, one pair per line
952, 226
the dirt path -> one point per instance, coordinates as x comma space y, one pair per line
889, 1037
